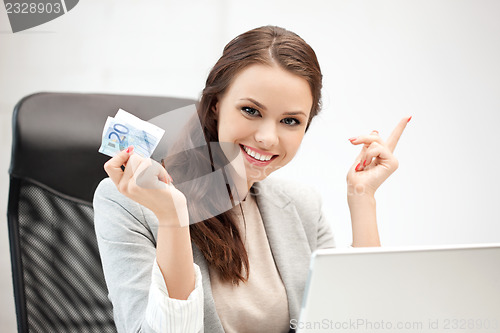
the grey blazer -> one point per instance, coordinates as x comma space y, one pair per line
126, 234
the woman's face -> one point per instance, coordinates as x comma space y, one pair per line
265, 112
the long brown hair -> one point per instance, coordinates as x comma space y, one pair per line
218, 237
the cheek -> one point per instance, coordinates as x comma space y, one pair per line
226, 132
232, 127
223, 129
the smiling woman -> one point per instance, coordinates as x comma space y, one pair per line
245, 269
265, 111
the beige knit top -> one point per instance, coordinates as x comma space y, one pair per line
260, 304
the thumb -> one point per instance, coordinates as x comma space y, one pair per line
114, 164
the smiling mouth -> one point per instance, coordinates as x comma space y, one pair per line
264, 158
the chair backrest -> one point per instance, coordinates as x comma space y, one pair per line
55, 168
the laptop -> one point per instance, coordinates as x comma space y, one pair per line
419, 289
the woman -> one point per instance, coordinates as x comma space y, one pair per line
243, 270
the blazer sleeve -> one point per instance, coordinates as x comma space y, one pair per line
136, 287
325, 234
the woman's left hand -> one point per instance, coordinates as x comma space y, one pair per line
376, 161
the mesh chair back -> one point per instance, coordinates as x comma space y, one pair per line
55, 167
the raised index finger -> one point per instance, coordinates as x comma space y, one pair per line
393, 139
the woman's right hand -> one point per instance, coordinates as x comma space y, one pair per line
148, 183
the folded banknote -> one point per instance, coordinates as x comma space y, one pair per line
124, 130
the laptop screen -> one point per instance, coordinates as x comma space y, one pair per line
448, 288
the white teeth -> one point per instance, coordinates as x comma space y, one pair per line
257, 156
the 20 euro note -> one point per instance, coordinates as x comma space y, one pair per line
126, 130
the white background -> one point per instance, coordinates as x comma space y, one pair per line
382, 60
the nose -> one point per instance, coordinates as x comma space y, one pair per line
267, 134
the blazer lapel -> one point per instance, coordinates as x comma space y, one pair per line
289, 247
211, 320
288, 242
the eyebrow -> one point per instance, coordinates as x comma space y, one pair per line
289, 113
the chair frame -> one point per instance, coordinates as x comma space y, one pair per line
18, 175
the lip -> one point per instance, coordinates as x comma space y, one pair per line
256, 161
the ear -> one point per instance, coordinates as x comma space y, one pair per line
215, 108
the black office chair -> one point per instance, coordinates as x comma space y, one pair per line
55, 168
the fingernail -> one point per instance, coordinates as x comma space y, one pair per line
352, 139
409, 119
129, 149
357, 166
364, 163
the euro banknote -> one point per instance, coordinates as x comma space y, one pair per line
124, 130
